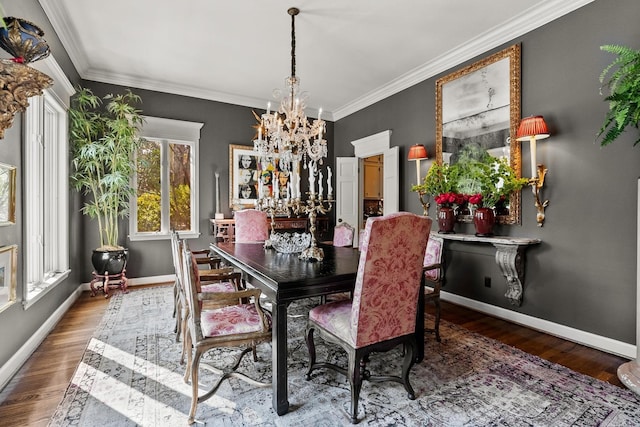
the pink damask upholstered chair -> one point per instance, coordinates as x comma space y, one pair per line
251, 226
382, 314
238, 322
434, 276
343, 234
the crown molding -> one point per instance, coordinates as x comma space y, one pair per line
70, 40
536, 16
530, 19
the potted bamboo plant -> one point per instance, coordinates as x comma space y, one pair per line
104, 137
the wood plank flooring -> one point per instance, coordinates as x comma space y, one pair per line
33, 394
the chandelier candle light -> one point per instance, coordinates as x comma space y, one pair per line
287, 136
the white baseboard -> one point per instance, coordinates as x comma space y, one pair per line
605, 344
138, 281
9, 369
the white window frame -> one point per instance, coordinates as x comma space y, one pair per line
164, 132
46, 183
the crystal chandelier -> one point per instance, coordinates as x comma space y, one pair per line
286, 134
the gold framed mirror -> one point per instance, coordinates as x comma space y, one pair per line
478, 106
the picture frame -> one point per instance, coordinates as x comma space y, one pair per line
8, 267
479, 106
7, 194
245, 172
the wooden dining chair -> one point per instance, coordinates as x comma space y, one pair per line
205, 261
251, 226
434, 277
382, 314
208, 276
238, 322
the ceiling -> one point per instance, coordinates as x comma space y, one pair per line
349, 53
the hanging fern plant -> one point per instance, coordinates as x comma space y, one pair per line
623, 83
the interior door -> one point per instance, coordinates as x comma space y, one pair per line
347, 192
390, 184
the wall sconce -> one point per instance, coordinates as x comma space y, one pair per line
418, 152
18, 81
530, 129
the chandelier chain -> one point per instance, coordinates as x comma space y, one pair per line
293, 12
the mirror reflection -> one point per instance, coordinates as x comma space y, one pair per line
477, 113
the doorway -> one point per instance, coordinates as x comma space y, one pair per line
350, 183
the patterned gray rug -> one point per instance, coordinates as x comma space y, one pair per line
130, 375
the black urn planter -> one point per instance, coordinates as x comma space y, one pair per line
109, 262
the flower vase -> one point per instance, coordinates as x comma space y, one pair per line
463, 210
446, 220
484, 219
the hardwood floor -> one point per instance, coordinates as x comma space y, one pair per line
33, 394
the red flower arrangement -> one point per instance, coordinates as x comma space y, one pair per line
476, 199
447, 199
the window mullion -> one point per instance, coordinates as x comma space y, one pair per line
165, 199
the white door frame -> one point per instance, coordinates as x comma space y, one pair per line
372, 145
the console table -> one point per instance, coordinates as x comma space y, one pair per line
224, 229
509, 257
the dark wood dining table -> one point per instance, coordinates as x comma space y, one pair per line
284, 278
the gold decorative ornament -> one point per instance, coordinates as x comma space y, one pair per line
18, 82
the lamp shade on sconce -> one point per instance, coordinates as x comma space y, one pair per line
532, 127
417, 152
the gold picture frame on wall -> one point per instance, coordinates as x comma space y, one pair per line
243, 177
8, 266
7, 194
245, 171
479, 106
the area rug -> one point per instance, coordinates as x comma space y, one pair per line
130, 375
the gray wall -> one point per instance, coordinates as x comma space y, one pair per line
17, 325
583, 275
224, 124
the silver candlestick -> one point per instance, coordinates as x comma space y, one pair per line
313, 206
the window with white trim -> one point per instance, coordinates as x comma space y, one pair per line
46, 192
166, 180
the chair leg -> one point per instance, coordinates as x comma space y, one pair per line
406, 368
178, 315
357, 370
436, 301
187, 349
194, 386
186, 346
175, 298
311, 347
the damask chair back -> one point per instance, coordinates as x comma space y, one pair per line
343, 234
434, 277
239, 321
385, 297
251, 226
382, 314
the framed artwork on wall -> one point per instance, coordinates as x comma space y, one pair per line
248, 177
8, 265
243, 177
478, 110
7, 194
